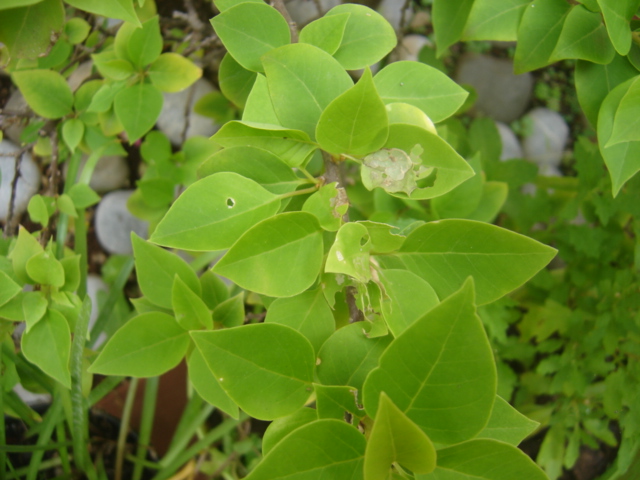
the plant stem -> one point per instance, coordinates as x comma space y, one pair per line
146, 424
308, 175
54, 462
124, 426
295, 193
63, 218
103, 388
82, 250
212, 436
62, 451
293, 28
48, 424
110, 303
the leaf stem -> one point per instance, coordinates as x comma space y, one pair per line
295, 193
124, 426
308, 175
146, 424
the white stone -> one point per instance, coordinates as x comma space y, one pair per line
549, 134
510, 144
410, 47
79, 75
177, 110
304, 11
96, 287
15, 105
111, 173
392, 11
28, 182
502, 95
114, 223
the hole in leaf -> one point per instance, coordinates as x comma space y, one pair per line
364, 240
230, 202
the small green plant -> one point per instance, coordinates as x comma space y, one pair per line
376, 322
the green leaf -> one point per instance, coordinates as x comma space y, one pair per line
102, 100
138, 107
223, 5
112, 67
308, 313
254, 163
318, 450
77, 30
214, 290
146, 346
45, 269
626, 121
145, 43
283, 426
156, 269
446, 252
617, 14
235, 81
254, 262
593, 83
484, 460
583, 37
538, 34
212, 213
26, 247
329, 204
507, 425
494, 196
191, 312
326, 32
172, 72
441, 168
349, 254
395, 438
622, 159
273, 359
17, 3
34, 307
410, 298
449, 20
48, 346
9, 288
83, 195
65, 205
72, 132
207, 385
40, 209
72, 277
464, 199
230, 312
292, 146
382, 239
302, 81
440, 372
249, 30
347, 357
356, 122
46, 92
333, 401
120, 9
422, 86
27, 31
367, 38
258, 106
494, 20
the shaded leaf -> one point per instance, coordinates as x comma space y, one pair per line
274, 359
283, 426
326, 32
207, 385
494, 20
191, 312
254, 262
212, 213
440, 372
138, 107
146, 346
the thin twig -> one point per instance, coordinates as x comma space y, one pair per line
293, 27
53, 187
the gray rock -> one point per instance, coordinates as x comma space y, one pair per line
502, 95
28, 182
304, 11
177, 119
111, 173
15, 105
392, 11
79, 75
114, 223
510, 144
545, 145
409, 48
